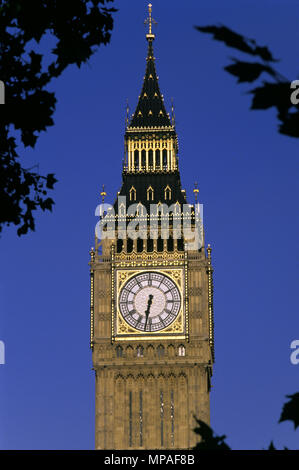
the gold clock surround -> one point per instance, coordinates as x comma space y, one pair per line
178, 329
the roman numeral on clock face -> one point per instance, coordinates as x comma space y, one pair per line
131, 312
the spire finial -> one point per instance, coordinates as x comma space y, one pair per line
92, 254
103, 194
196, 191
150, 21
209, 250
127, 112
172, 113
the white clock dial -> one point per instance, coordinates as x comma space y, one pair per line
149, 301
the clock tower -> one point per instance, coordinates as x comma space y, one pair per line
151, 306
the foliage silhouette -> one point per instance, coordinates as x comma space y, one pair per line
77, 27
210, 441
290, 411
270, 94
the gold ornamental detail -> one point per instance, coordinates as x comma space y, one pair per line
123, 331
210, 302
91, 341
155, 255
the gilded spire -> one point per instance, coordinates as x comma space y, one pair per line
150, 21
150, 110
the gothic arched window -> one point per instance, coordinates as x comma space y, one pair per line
180, 244
122, 209
150, 194
140, 209
177, 208
170, 243
150, 158
160, 351
157, 155
167, 193
160, 244
119, 245
143, 160
136, 160
150, 245
129, 245
119, 351
159, 208
164, 159
132, 194
139, 245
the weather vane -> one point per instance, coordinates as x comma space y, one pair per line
150, 21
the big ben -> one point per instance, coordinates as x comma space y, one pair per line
151, 306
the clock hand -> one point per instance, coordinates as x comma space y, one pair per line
147, 311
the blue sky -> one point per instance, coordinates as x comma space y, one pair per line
248, 181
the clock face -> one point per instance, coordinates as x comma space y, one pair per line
149, 301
